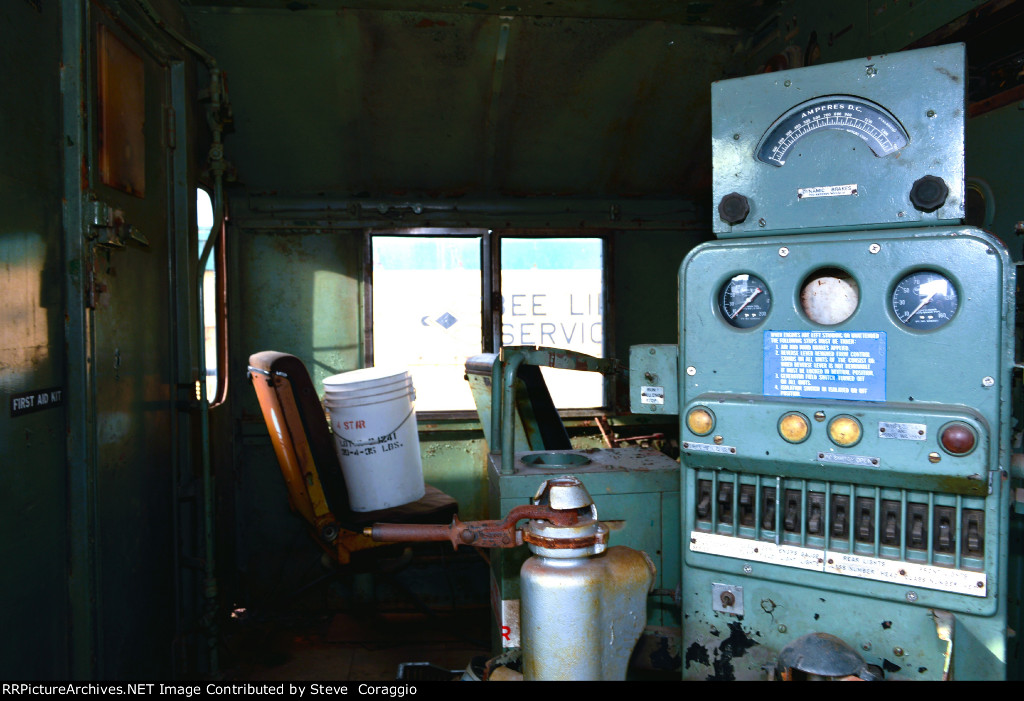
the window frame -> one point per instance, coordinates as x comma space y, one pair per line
490, 298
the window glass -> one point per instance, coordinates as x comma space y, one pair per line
552, 295
204, 222
427, 314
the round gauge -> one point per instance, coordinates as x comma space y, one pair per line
744, 301
829, 296
924, 301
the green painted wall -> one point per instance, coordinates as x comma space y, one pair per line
32, 480
994, 142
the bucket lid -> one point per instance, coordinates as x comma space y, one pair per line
364, 379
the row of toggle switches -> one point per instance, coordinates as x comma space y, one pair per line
889, 522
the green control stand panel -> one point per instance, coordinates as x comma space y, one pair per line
844, 384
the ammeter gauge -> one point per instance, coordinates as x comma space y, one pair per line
744, 301
924, 300
871, 122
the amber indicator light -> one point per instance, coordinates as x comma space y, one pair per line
844, 431
794, 427
700, 421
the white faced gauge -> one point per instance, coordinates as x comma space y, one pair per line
744, 301
924, 301
829, 297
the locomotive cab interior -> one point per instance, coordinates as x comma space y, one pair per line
742, 273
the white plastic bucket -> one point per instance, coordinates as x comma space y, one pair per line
373, 417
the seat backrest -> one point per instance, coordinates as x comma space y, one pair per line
302, 441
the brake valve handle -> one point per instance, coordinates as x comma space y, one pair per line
483, 534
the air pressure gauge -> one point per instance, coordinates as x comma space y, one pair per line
924, 301
744, 301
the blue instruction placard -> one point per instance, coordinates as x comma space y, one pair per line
825, 364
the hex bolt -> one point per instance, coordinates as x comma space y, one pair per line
733, 208
747, 569
727, 599
928, 193
911, 596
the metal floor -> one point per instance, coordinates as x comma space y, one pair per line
344, 647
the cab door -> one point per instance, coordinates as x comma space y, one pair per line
124, 593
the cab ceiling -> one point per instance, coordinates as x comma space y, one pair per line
463, 99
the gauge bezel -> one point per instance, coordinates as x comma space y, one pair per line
902, 277
718, 301
826, 271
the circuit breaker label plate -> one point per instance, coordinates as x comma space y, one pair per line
909, 574
756, 550
825, 364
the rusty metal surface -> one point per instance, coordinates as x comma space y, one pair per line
479, 534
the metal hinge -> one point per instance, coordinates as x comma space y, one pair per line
106, 226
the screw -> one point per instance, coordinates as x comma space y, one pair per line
788, 83
783, 251
931, 114
649, 377
735, 137
727, 599
691, 371
865, 646
762, 222
934, 457
1019, 227
819, 416
747, 569
871, 71
911, 596
874, 248
898, 651
901, 214
782, 628
987, 381
718, 440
